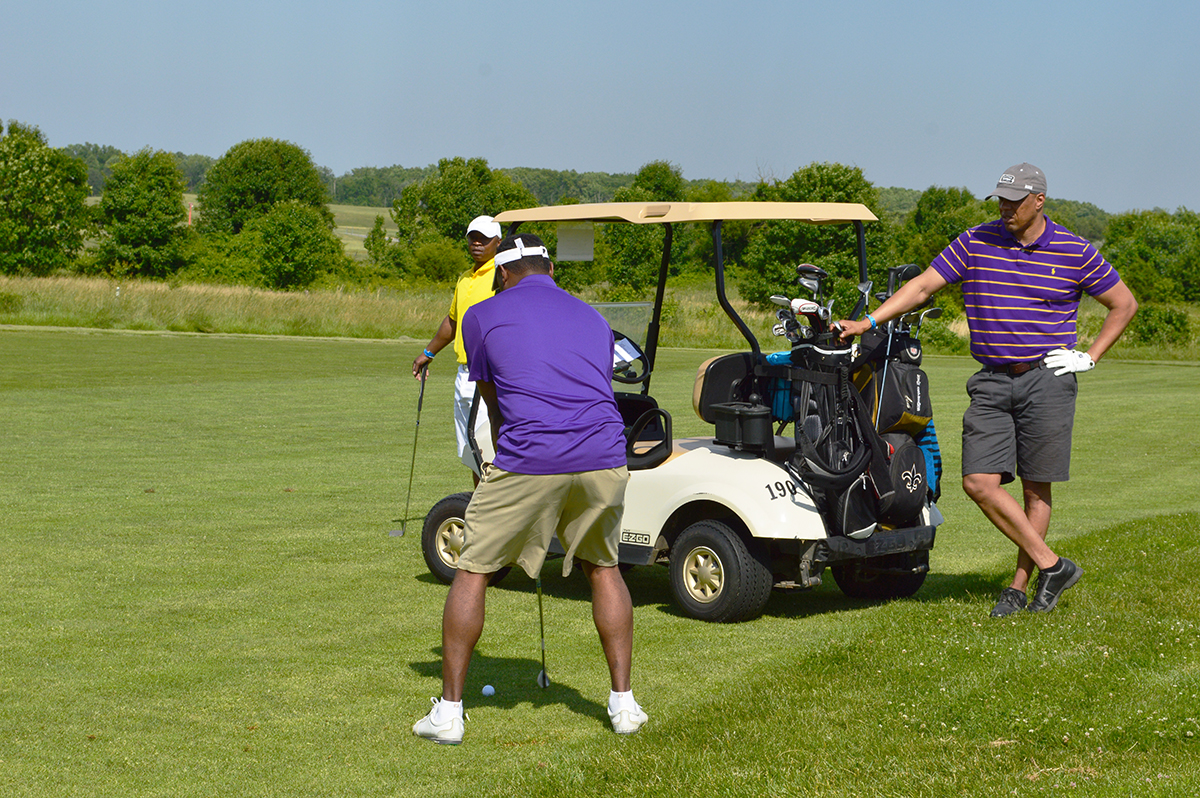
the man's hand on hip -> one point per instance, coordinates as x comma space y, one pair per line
1068, 361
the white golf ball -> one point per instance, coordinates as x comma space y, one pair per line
488, 690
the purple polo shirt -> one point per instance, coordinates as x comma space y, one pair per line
550, 357
1022, 302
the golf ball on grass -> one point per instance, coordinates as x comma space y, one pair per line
488, 690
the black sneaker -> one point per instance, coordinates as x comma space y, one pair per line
1011, 600
1051, 584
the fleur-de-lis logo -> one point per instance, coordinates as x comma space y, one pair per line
912, 479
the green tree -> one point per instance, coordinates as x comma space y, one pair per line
252, 177
296, 245
142, 215
376, 243
776, 248
940, 216
633, 253
194, 169
1157, 254
697, 239
1082, 218
44, 216
661, 180
99, 160
374, 186
443, 204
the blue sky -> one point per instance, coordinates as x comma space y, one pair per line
1102, 96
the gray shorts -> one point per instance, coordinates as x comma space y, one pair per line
1019, 425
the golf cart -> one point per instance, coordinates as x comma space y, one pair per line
747, 508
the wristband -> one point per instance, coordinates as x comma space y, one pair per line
429, 354
874, 324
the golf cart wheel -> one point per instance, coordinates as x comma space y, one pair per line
881, 578
716, 576
442, 538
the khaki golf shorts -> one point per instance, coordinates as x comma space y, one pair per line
513, 517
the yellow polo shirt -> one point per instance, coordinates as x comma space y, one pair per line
472, 287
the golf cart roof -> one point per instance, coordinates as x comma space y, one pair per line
674, 212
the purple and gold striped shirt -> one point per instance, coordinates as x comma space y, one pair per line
1022, 302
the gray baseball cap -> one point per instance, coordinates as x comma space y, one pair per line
1018, 182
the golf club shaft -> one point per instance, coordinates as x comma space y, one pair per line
422, 375
544, 682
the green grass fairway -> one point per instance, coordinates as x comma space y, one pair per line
200, 598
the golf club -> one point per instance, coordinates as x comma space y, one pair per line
543, 681
864, 290
422, 374
932, 313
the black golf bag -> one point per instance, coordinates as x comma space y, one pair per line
859, 476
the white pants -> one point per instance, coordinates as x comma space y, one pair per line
464, 395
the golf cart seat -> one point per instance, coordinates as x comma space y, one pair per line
647, 430
728, 395
723, 379
643, 454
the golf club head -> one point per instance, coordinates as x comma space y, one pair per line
932, 313
812, 285
781, 300
779, 330
396, 533
864, 291
543, 681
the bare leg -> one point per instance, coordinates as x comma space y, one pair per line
612, 612
462, 624
1037, 510
1007, 515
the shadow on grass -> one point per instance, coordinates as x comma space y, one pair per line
937, 588
515, 681
649, 586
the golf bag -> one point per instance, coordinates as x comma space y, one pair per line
895, 392
858, 477
892, 384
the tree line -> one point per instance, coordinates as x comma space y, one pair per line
264, 220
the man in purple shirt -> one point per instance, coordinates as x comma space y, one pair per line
1022, 278
542, 363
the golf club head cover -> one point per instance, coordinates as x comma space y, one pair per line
1068, 361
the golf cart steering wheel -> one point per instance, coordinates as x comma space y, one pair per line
634, 366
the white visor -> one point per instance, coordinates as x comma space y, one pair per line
520, 251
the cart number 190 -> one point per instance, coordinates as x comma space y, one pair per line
782, 490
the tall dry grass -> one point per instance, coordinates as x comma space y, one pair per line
145, 305
691, 316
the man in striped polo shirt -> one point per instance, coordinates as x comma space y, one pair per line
1022, 279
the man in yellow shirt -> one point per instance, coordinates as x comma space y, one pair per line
483, 236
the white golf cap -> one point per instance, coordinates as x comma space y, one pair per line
485, 225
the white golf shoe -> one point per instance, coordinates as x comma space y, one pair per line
626, 719
447, 731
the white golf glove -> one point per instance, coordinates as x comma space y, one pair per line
1067, 361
